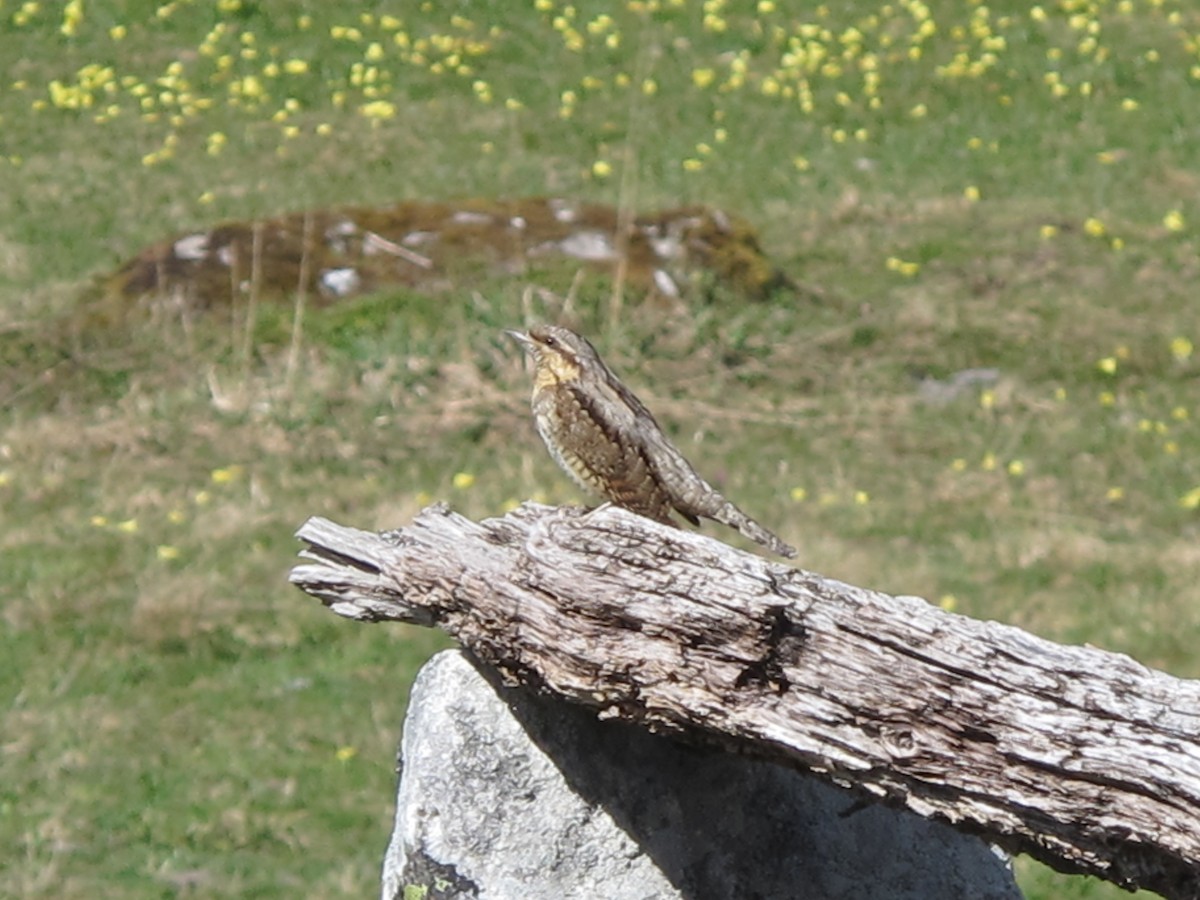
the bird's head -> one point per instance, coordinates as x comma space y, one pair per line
559, 354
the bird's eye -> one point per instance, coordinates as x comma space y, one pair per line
549, 341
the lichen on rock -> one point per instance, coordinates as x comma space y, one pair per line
339, 252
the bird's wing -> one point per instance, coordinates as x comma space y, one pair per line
608, 458
690, 495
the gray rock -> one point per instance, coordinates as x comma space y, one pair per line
939, 393
508, 796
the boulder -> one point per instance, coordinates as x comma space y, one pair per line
508, 795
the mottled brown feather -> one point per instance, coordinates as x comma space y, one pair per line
605, 438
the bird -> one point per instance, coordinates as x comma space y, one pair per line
603, 436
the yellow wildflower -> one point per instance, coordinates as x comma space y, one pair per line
378, 110
227, 474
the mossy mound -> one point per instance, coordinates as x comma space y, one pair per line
330, 254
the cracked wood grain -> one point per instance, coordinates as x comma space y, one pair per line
1082, 758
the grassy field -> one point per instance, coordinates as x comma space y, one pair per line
968, 186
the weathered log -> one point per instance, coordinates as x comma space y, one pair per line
1081, 758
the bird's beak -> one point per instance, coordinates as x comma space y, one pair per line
521, 338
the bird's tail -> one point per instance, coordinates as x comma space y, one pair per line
733, 517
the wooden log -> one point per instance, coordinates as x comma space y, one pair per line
1082, 758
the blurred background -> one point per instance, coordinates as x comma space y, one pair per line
974, 381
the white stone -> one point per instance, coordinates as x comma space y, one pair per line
344, 228
665, 283
194, 246
507, 795
593, 246
469, 217
564, 210
667, 247
418, 238
340, 282
338, 235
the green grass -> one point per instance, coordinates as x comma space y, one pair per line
1010, 190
